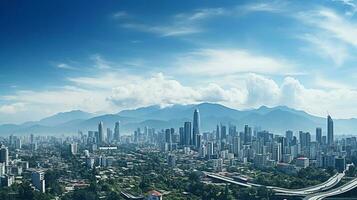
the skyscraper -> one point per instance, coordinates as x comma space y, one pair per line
318, 135
101, 133
117, 131
289, 136
329, 130
196, 126
188, 133
247, 135
218, 135
4, 155
38, 180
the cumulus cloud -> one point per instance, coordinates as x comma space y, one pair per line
12, 108
113, 94
155, 90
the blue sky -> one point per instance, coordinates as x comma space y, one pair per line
107, 56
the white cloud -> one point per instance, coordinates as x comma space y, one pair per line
120, 15
332, 23
114, 91
327, 48
178, 25
164, 30
201, 14
65, 66
12, 108
272, 7
216, 62
261, 90
100, 62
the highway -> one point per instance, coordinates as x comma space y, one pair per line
331, 182
342, 189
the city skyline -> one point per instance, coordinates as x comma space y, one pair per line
167, 99
120, 56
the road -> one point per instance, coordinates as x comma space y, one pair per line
331, 182
342, 189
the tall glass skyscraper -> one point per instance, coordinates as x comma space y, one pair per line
196, 126
329, 130
117, 131
101, 133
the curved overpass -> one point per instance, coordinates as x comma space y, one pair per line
331, 182
342, 189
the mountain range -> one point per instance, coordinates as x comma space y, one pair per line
276, 119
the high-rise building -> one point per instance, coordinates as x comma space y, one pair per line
340, 164
117, 131
196, 126
210, 150
38, 180
318, 135
247, 135
289, 136
223, 132
73, 148
218, 135
109, 135
329, 130
188, 133
101, 133
182, 135
4, 155
168, 136
236, 145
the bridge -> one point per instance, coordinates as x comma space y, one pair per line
331, 182
339, 190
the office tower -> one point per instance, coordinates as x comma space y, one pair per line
117, 131
4, 155
196, 126
218, 135
236, 145
289, 136
232, 131
101, 133
318, 135
168, 136
173, 136
198, 141
223, 132
329, 130
96, 136
210, 150
109, 135
340, 164
188, 133
182, 135
32, 139
247, 134
38, 180
305, 139
277, 153
73, 148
